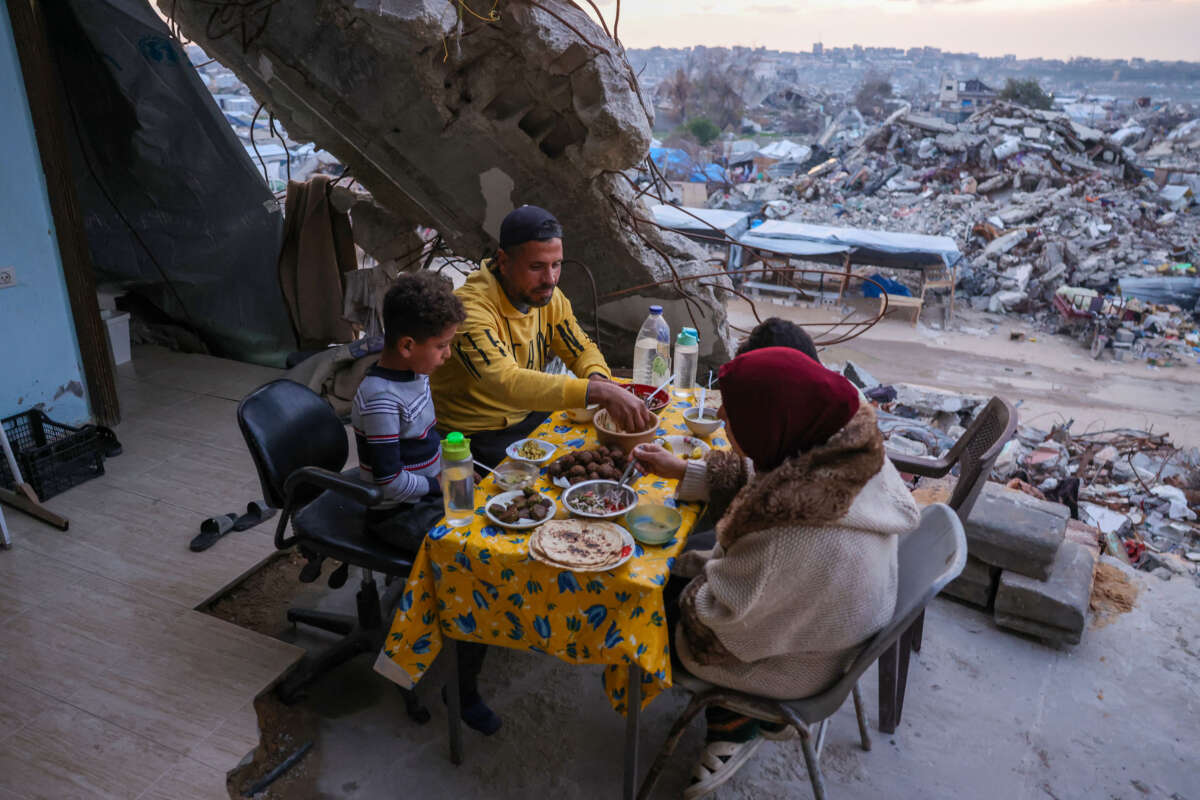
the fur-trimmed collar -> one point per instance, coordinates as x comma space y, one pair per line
812, 488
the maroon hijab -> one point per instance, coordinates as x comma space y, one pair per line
780, 403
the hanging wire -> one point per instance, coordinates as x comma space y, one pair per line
287, 156
261, 163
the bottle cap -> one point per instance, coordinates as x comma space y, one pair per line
685, 338
655, 309
456, 446
695, 333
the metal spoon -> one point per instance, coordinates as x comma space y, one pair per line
654, 394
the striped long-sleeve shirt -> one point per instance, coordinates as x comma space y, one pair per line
398, 448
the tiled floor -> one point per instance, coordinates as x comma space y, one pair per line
111, 684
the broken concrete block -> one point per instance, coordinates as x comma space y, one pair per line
1002, 244
1084, 534
976, 584
1054, 609
1015, 531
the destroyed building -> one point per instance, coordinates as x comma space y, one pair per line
450, 121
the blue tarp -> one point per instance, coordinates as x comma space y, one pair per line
677, 165
890, 286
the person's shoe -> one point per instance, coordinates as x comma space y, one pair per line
477, 714
718, 763
777, 731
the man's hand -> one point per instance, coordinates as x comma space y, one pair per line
655, 460
626, 409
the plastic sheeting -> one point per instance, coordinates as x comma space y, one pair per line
173, 208
1183, 292
684, 220
878, 248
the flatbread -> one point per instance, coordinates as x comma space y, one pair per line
578, 544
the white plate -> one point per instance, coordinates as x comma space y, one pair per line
524, 523
627, 547
548, 451
682, 444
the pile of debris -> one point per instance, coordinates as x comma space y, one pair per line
1136, 488
1054, 503
1036, 200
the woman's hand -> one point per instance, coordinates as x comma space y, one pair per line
655, 460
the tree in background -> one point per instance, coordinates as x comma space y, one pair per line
704, 130
1026, 93
873, 95
713, 85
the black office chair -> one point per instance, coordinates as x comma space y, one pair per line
299, 448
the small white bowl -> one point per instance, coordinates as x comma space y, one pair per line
583, 416
684, 446
700, 427
524, 523
513, 451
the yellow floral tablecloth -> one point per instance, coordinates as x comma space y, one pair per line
478, 583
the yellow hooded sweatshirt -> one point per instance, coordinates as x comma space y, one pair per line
494, 377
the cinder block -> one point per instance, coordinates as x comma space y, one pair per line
1015, 531
976, 584
1054, 609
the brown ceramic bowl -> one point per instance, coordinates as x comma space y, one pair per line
609, 434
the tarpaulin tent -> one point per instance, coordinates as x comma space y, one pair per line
699, 224
935, 257
830, 245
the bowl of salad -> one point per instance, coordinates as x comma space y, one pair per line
599, 499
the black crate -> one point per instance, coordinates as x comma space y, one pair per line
53, 457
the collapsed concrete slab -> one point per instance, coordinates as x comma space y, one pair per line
1054, 609
1014, 531
451, 121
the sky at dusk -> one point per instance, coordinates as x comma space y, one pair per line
1149, 29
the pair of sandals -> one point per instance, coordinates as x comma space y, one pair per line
214, 528
721, 760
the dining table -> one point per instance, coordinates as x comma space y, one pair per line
479, 583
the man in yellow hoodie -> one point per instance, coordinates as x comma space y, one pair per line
494, 388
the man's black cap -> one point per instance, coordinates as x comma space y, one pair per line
528, 224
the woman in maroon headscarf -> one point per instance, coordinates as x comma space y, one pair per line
804, 569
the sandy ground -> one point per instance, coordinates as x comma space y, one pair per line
1051, 379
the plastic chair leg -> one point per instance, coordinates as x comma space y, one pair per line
860, 711
889, 667
917, 629
698, 704
814, 767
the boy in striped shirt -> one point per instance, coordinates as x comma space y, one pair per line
398, 449
398, 446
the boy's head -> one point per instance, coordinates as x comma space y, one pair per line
776, 332
420, 317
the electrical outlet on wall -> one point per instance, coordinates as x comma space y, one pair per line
8, 277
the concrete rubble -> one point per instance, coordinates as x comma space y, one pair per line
1054, 503
1036, 201
450, 121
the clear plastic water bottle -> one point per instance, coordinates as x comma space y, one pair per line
687, 356
652, 350
458, 480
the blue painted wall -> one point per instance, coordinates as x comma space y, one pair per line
39, 356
